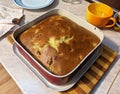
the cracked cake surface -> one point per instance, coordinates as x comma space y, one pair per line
58, 43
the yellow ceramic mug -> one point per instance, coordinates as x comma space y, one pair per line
100, 15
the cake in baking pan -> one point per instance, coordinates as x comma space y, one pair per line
58, 43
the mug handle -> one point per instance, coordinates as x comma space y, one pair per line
113, 22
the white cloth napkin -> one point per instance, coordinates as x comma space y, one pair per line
7, 14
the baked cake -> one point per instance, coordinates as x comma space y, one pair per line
58, 43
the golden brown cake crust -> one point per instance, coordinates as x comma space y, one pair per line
58, 43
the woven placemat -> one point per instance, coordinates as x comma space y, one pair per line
93, 75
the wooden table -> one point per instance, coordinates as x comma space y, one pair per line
7, 84
30, 84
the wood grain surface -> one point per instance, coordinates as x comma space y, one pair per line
84, 85
93, 75
7, 84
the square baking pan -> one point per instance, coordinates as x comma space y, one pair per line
50, 77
